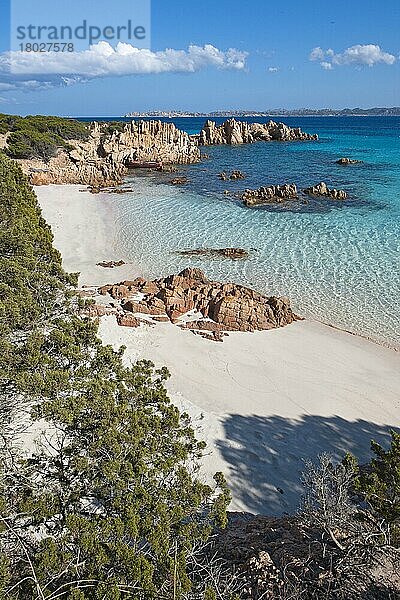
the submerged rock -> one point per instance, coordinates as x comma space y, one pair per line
321, 189
111, 264
233, 253
274, 194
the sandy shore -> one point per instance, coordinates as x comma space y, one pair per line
82, 224
262, 401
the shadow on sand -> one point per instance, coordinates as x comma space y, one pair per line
266, 454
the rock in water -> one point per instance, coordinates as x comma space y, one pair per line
235, 175
321, 189
274, 194
233, 253
111, 264
239, 132
179, 181
348, 161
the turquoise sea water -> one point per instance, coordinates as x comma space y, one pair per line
338, 262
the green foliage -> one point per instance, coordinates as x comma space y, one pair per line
111, 126
379, 483
67, 129
109, 505
31, 273
29, 143
7, 122
39, 136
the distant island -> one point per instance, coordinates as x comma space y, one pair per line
301, 112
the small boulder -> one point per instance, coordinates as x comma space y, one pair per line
348, 161
179, 181
128, 320
111, 264
274, 194
321, 189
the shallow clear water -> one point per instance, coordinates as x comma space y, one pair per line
338, 262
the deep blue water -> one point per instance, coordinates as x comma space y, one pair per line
338, 262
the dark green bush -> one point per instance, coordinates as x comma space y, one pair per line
40, 136
115, 507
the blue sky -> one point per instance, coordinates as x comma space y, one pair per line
356, 62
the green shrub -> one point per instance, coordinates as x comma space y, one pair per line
379, 484
40, 136
66, 129
112, 126
29, 143
110, 505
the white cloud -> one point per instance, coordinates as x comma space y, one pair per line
317, 54
273, 69
358, 55
28, 85
103, 60
27, 70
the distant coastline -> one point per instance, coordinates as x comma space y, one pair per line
302, 112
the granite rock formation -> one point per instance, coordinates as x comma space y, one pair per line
226, 306
234, 175
102, 160
321, 189
348, 161
151, 141
239, 132
274, 194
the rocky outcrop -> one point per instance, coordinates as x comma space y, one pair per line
234, 175
233, 253
274, 194
111, 264
179, 181
102, 159
348, 161
228, 306
149, 141
239, 132
280, 557
321, 189
98, 310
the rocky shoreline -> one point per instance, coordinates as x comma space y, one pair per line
105, 157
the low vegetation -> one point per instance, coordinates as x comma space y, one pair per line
39, 136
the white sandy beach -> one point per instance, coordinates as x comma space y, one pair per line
262, 401
82, 225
